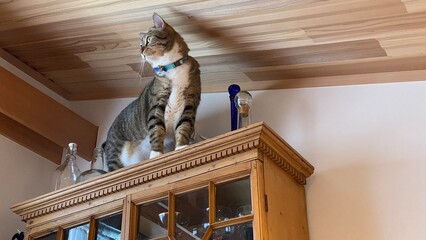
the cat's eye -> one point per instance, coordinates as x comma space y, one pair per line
147, 40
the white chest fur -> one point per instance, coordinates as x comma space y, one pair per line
176, 104
179, 82
179, 78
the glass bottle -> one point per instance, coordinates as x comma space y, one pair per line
243, 102
96, 166
67, 173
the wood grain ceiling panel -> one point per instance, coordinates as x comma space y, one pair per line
90, 49
349, 67
373, 28
414, 5
73, 45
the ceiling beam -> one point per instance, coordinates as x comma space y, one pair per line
30, 139
34, 74
28, 112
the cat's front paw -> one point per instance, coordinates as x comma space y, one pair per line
154, 154
180, 147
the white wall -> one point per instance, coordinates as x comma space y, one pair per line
368, 144
23, 175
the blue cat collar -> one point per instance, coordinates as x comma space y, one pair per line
161, 70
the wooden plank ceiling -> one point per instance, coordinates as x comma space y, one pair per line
89, 49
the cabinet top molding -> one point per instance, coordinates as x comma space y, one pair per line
258, 138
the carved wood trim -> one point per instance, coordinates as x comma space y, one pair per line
111, 186
271, 154
286, 157
193, 156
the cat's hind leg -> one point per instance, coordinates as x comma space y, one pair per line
111, 155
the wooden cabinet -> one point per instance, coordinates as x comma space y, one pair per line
244, 184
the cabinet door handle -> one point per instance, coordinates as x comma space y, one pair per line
266, 203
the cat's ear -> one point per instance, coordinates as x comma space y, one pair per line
158, 21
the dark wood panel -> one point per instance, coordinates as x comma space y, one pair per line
43, 115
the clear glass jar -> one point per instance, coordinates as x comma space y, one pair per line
96, 166
67, 173
243, 101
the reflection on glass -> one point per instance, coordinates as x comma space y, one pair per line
243, 231
192, 219
77, 233
51, 236
109, 228
233, 199
223, 213
152, 221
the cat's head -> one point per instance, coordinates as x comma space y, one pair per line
161, 41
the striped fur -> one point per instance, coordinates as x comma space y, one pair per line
162, 118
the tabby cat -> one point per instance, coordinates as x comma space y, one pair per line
162, 118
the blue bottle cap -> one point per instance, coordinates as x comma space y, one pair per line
233, 89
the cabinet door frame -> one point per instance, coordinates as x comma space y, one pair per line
127, 201
259, 204
193, 183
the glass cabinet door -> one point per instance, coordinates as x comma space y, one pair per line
233, 199
77, 233
106, 228
243, 231
231, 218
218, 212
109, 228
51, 236
191, 214
153, 220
